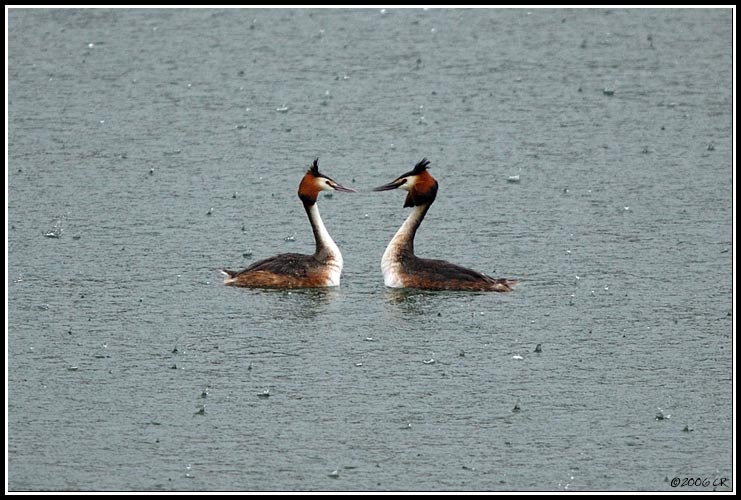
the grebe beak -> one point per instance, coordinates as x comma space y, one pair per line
391, 185
343, 189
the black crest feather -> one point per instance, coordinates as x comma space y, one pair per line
421, 166
315, 167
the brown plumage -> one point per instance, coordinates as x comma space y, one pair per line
287, 270
402, 269
294, 270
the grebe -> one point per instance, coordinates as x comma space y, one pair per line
295, 270
402, 269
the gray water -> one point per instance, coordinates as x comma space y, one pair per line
149, 148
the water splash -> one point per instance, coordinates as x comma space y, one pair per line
56, 230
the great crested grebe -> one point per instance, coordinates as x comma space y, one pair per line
402, 269
295, 270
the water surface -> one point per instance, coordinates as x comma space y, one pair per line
149, 148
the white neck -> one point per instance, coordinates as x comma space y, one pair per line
402, 243
326, 248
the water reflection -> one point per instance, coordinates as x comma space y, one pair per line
410, 300
301, 303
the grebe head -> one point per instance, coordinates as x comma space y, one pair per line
420, 185
314, 182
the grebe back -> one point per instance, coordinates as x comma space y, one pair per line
402, 269
295, 270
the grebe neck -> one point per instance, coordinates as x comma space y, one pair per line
403, 240
326, 248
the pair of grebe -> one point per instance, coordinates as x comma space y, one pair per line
401, 268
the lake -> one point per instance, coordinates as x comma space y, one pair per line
586, 153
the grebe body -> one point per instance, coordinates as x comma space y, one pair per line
293, 270
402, 269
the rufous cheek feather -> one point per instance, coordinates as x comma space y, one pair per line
308, 190
423, 191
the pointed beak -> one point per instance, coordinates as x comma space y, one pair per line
343, 189
391, 185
